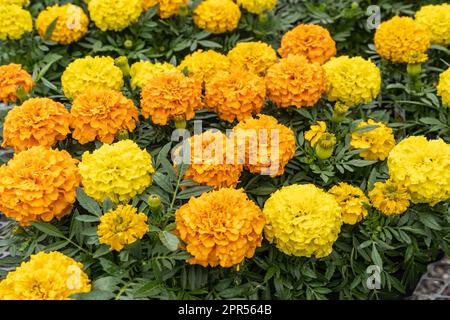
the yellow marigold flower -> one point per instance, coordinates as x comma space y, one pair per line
266, 144
302, 220
235, 95
294, 81
213, 160
119, 171
114, 15
378, 141
423, 167
38, 185
142, 71
309, 40
169, 95
121, 227
72, 23
203, 65
255, 57
91, 73
14, 22
101, 114
12, 77
37, 122
402, 40
217, 16
167, 8
443, 88
257, 6
436, 18
352, 81
351, 200
20, 3
389, 198
46, 276
220, 227
315, 132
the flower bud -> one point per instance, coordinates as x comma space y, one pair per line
180, 122
414, 70
325, 146
122, 63
263, 18
21, 94
184, 11
128, 44
339, 112
154, 202
123, 135
355, 5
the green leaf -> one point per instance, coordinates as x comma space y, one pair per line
193, 192
376, 258
361, 163
163, 182
88, 203
86, 218
48, 229
209, 44
101, 251
169, 240
429, 221
50, 29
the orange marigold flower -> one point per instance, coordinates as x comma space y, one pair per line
309, 40
37, 122
12, 77
101, 114
235, 95
294, 81
169, 95
266, 145
220, 227
38, 185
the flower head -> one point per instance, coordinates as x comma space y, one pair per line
302, 220
352, 200
20, 3
294, 81
91, 73
14, 22
119, 171
436, 18
423, 167
325, 145
121, 227
142, 71
255, 57
38, 185
167, 8
71, 23
379, 141
37, 122
13, 77
315, 132
101, 114
257, 6
402, 40
217, 16
220, 227
352, 81
235, 95
390, 198
46, 276
309, 40
169, 95
443, 88
114, 15
204, 65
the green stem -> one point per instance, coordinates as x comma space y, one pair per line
122, 290
180, 176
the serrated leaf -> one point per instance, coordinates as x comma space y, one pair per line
169, 240
47, 228
88, 203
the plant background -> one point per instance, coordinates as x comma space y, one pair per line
154, 268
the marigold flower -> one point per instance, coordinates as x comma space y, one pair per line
378, 141
20, 3
142, 71
217, 16
114, 15
267, 145
352, 200
220, 227
121, 227
389, 198
12, 77
309, 40
302, 220
402, 40
257, 6
423, 167
293, 81
443, 87
101, 114
235, 95
14, 22
255, 57
71, 25
315, 132
46, 276
212, 161
325, 146
204, 65
91, 73
118, 171
37, 122
169, 95
436, 18
38, 185
352, 81
167, 8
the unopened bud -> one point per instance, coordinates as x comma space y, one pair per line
128, 44
122, 63
180, 122
21, 94
325, 146
123, 135
414, 70
263, 18
355, 5
184, 11
154, 202
339, 112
